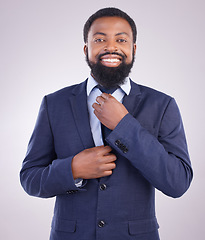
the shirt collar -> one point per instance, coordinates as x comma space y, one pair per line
91, 83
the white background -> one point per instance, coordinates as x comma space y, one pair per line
41, 51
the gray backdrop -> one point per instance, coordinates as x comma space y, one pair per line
41, 50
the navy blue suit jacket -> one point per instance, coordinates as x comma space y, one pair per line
151, 151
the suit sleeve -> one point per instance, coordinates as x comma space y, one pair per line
42, 174
163, 160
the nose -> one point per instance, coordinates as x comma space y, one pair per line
110, 46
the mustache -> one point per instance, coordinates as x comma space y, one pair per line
111, 53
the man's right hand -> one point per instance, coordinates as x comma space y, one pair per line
93, 163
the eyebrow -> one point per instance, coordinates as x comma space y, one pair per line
122, 33
99, 33
117, 34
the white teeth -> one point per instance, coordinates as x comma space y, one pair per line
112, 60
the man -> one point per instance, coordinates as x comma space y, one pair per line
102, 154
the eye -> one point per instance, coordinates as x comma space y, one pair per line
98, 40
122, 40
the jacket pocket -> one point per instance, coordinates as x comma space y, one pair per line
63, 225
143, 226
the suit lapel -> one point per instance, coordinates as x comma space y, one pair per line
132, 101
81, 116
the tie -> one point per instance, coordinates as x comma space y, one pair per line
106, 131
107, 90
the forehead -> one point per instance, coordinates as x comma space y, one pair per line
110, 25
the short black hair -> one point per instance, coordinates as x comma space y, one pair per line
109, 12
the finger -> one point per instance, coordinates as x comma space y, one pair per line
96, 107
107, 149
107, 167
109, 159
106, 96
103, 149
110, 166
98, 114
106, 159
100, 100
99, 147
107, 173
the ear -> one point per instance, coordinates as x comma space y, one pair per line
85, 48
135, 48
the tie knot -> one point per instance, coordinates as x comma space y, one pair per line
106, 90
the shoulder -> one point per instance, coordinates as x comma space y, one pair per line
67, 92
150, 94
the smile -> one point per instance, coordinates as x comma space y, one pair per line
110, 60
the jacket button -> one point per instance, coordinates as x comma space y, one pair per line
121, 146
72, 191
124, 149
103, 187
117, 142
101, 224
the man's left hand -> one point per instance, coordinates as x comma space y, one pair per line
108, 110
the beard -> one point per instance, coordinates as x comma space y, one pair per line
110, 77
